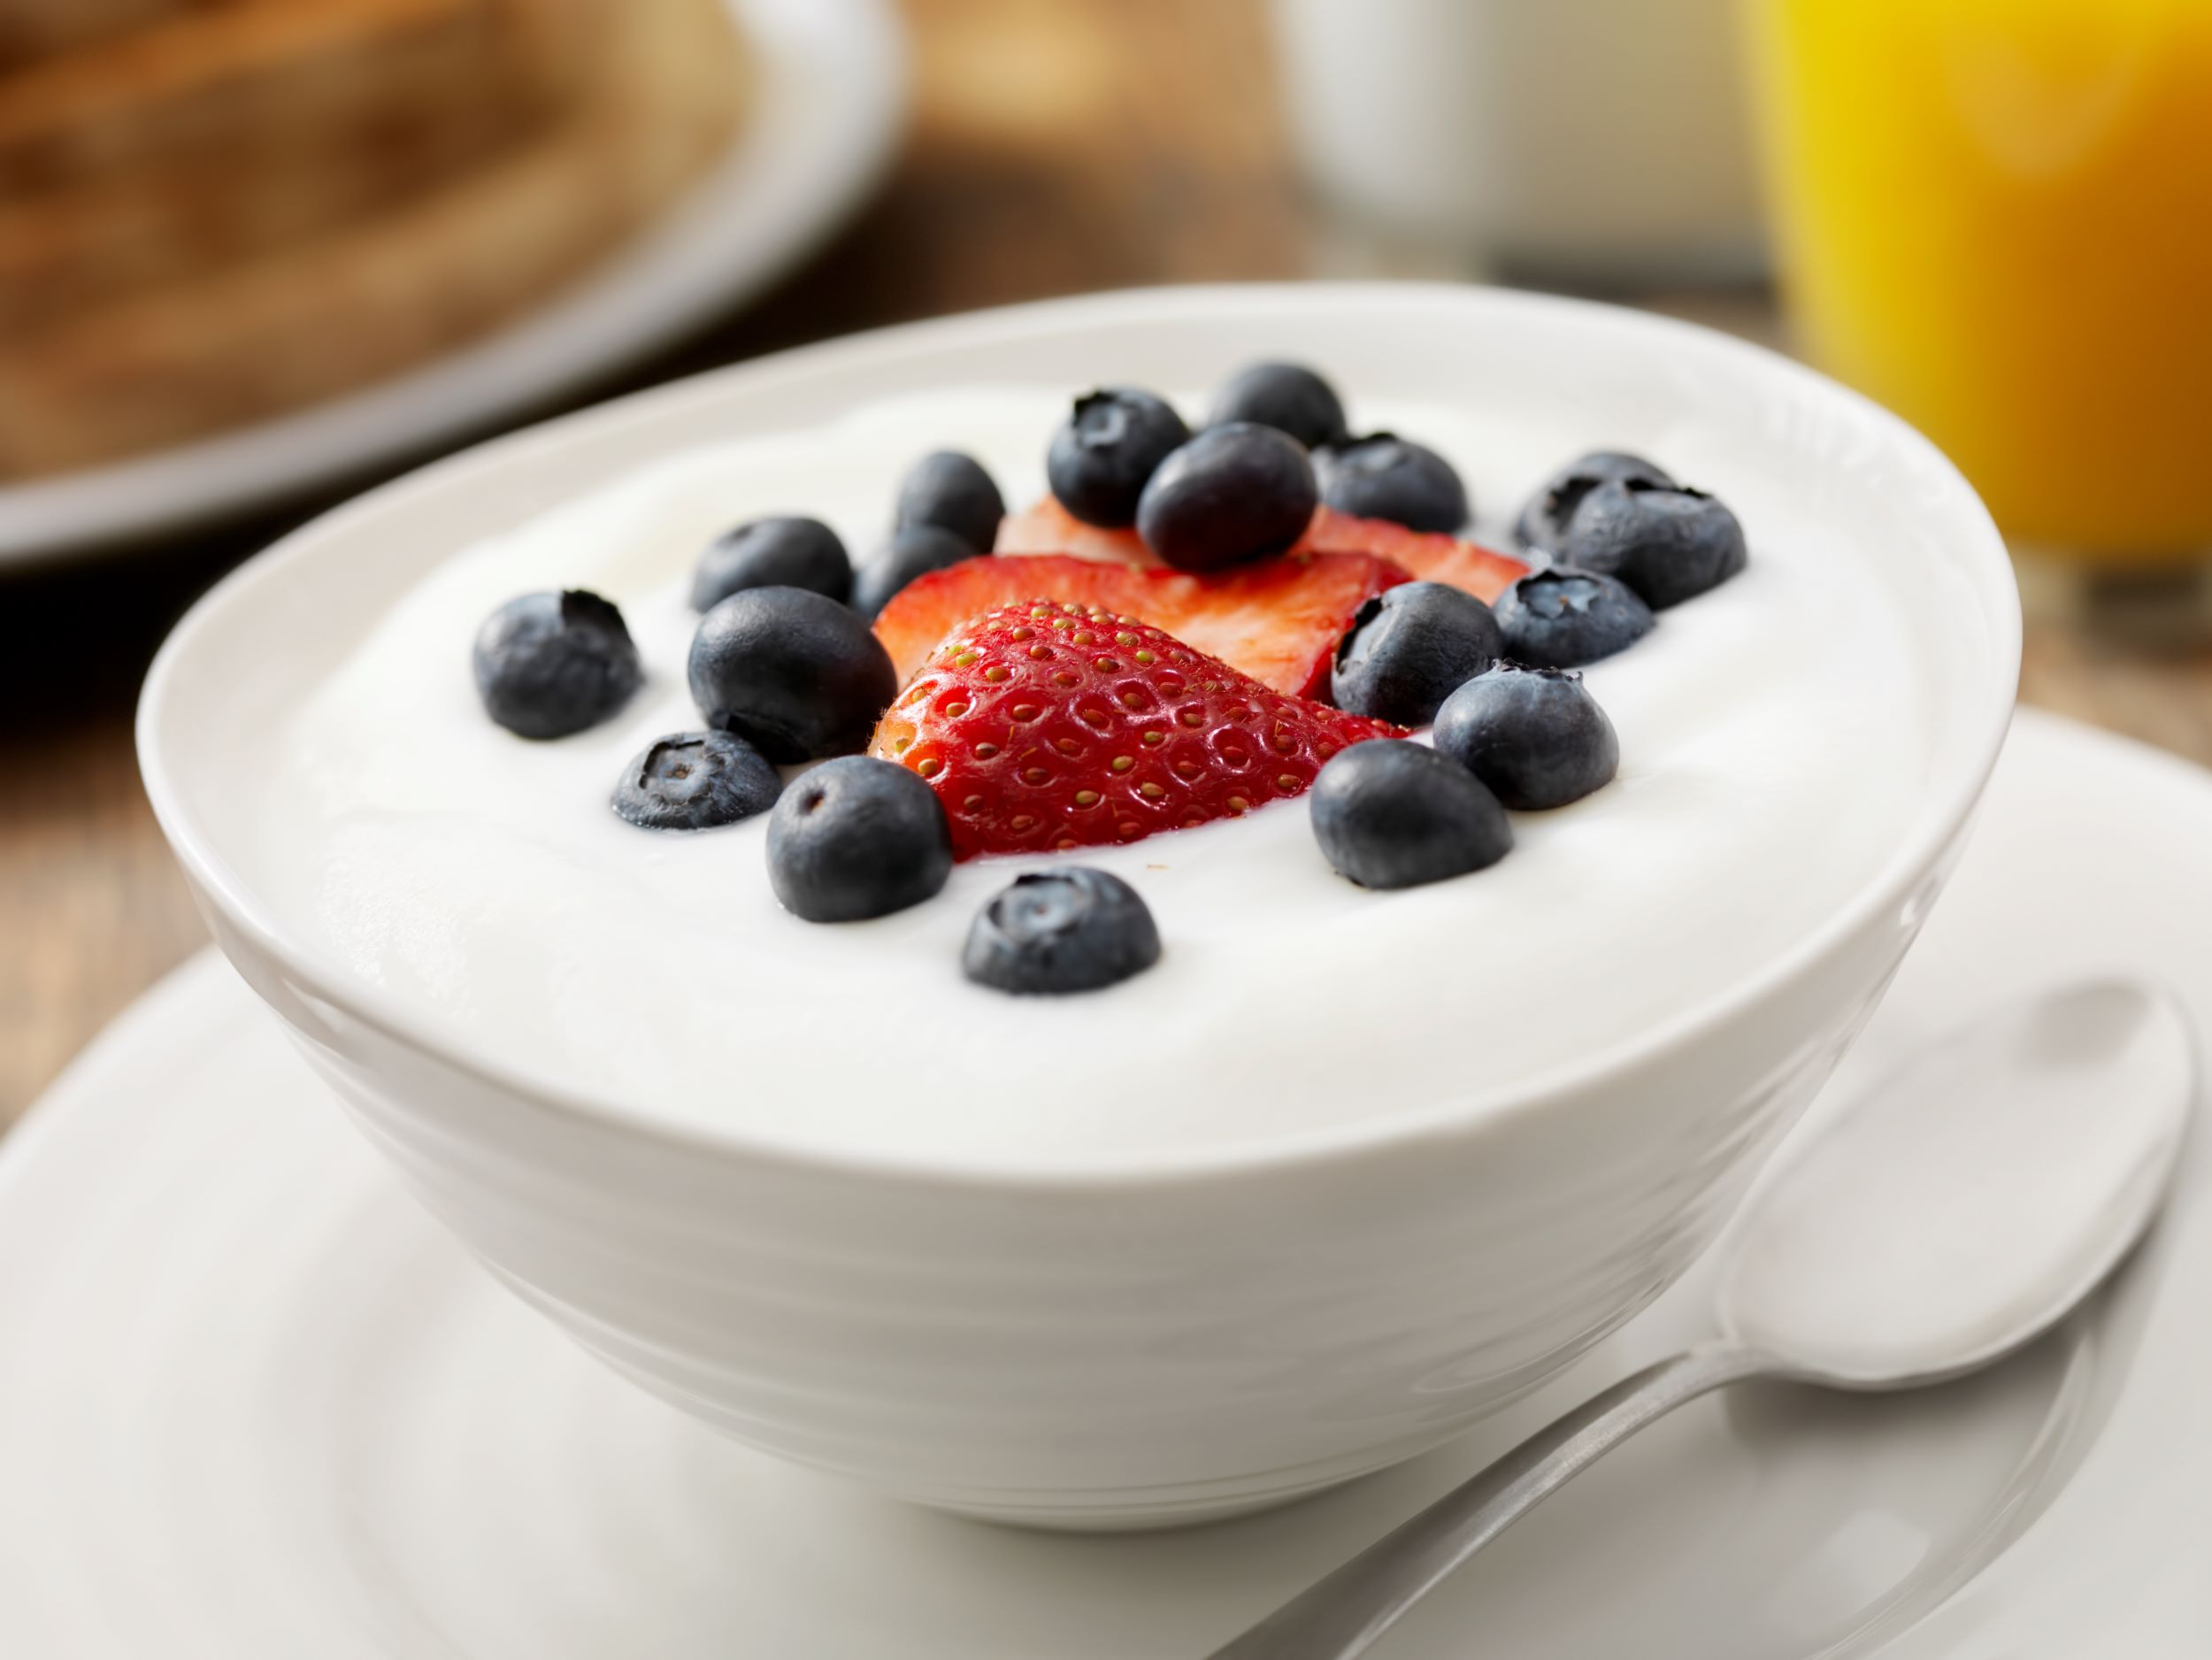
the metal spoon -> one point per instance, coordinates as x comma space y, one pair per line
1951, 1215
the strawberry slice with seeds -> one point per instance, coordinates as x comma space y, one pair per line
1046, 726
1278, 621
1427, 555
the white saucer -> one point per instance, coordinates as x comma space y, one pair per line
254, 1406
823, 122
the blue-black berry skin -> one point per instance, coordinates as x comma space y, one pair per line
1546, 515
1102, 456
1535, 736
1409, 649
952, 492
1233, 493
911, 553
696, 780
797, 675
1392, 814
549, 665
1287, 396
856, 838
1385, 476
1054, 932
1670, 544
1560, 618
779, 552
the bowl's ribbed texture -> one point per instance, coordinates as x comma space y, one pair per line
1115, 1357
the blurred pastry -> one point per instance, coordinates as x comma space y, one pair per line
34, 28
234, 208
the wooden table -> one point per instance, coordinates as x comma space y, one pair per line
1055, 148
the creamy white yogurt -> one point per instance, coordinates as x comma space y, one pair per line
1772, 743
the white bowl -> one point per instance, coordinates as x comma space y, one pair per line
1147, 1345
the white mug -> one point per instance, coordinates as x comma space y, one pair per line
1593, 141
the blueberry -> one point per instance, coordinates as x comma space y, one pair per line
795, 674
911, 553
1233, 492
1393, 814
1072, 930
1287, 396
1560, 618
781, 552
1668, 543
1382, 476
1536, 736
696, 781
952, 492
858, 837
1106, 449
1546, 515
1409, 649
548, 665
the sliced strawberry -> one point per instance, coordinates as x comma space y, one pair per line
1046, 726
1278, 621
1049, 528
1430, 556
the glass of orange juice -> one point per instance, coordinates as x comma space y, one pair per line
1995, 216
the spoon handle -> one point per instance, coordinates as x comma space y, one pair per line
1340, 1616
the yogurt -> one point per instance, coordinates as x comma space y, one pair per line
1771, 744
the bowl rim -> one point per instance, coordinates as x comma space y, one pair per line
1906, 866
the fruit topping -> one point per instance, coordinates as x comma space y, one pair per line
1384, 476
1287, 396
1535, 736
1409, 650
856, 838
1431, 556
952, 492
1110, 443
1061, 931
1546, 515
797, 675
1397, 815
1560, 618
780, 552
1668, 543
1049, 528
1047, 727
1231, 494
548, 665
1278, 621
911, 552
695, 781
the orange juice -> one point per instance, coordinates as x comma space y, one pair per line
1995, 216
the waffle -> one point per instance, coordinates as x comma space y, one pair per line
244, 206
33, 29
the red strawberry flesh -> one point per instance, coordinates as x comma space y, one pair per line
1426, 555
1278, 621
1049, 528
1045, 726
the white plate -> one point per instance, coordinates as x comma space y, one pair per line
253, 1405
824, 121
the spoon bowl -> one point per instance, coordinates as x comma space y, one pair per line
1971, 1198
1949, 1216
